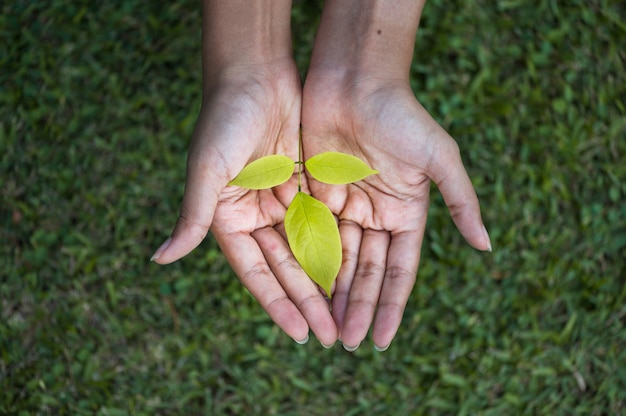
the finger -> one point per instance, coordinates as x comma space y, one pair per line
448, 173
400, 274
365, 289
247, 260
207, 175
351, 235
218, 151
302, 291
191, 227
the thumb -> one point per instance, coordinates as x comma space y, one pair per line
447, 171
206, 177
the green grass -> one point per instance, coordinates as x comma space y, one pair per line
97, 103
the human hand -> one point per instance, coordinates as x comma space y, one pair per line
382, 218
252, 113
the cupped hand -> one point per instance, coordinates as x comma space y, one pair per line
250, 113
382, 218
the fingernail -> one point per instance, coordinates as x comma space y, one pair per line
302, 341
351, 349
161, 249
381, 349
327, 346
488, 239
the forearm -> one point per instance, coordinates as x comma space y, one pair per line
369, 37
244, 34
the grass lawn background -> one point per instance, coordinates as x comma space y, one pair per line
97, 104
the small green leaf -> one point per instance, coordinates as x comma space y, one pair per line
313, 236
264, 173
337, 168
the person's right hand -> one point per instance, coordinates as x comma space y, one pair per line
251, 113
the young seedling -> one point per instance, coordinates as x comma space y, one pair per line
312, 232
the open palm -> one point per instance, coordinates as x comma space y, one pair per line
382, 219
246, 118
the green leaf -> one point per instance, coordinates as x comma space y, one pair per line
337, 168
264, 173
313, 236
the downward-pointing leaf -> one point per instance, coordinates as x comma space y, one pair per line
314, 239
264, 173
337, 168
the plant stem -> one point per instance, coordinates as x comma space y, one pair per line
300, 162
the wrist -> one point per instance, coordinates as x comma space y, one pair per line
366, 38
243, 36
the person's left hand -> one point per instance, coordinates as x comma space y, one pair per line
382, 218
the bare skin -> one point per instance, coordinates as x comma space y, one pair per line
357, 100
251, 108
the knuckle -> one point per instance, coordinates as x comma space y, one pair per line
399, 273
262, 272
189, 222
367, 304
349, 256
288, 265
259, 270
311, 300
274, 303
370, 270
456, 210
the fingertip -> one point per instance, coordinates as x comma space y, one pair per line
385, 329
187, 235
460, 197
318, 316
174, 248
477, 236
327, 336
352, 337
288, 318
292, 323
381, 349
351, 348
303, 340
159, 252
487, 239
